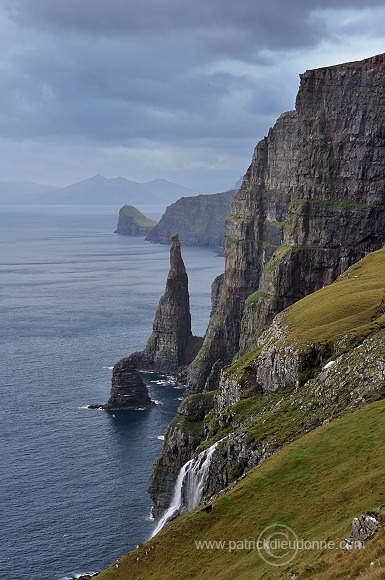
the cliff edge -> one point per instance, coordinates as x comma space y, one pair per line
310, 205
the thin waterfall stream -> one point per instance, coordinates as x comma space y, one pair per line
189, 486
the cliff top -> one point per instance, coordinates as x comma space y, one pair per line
377, 61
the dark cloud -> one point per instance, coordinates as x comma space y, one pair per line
228, 28
210, 74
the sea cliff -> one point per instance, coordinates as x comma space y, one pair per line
198, 219
310, 205
295, 343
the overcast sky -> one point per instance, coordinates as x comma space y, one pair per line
161, 88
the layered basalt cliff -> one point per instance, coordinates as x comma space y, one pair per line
199, 219
310, 205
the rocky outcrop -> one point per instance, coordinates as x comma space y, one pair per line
182, 437
311, 204
128, 391
171, 344
320, 358
198, 219
363, 529
170, 348
132, 222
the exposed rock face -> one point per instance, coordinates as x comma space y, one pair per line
356, 378
128, 390
171, 344
311, 204
170, 347
363, 528
132, 222
182, 437
199, 220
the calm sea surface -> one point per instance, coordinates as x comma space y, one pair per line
74, 298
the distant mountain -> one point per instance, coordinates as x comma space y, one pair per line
167, 191
97, 190
11, 190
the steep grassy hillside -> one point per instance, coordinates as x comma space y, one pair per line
355, 303
315, 483
315, 486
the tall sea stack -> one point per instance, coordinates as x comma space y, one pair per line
171, 344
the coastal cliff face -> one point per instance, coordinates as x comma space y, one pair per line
311, 204
320, 358
199, 219
296, 337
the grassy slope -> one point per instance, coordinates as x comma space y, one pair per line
354, 303
316, 486
139, 218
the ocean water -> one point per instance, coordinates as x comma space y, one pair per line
74, 298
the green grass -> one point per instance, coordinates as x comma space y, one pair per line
304, 487
353, 304
333, 205
243, 362
139, 218
254, 297
274, 223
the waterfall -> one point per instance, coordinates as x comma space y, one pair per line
189, 486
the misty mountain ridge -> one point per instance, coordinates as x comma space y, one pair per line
96, 190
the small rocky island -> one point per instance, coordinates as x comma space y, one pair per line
132, 222
128, 390
170, 348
